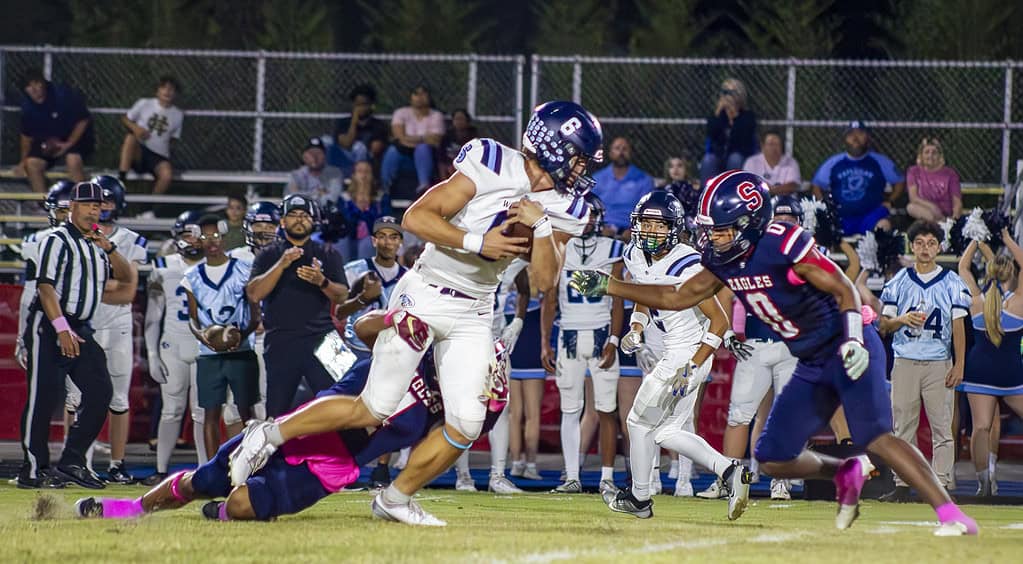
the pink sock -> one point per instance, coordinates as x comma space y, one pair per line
122, 508
222, 512
951, 512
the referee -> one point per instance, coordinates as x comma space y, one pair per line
75, 262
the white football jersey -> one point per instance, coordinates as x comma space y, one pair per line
167, 273
595, 253
681, 328
30, 254
505, 288
499, 173
243, 253
132, 247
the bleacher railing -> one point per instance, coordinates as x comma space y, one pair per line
253, 110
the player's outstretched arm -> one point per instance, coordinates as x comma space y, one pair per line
713, 337
672, 298
967, 274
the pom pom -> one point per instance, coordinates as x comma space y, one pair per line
867, 249
975, 229
891, 246
820, 217
995, 222
946, 226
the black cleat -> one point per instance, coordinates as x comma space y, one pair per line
624, 502
154, 479
89, 507
211, 510
900, 494
45, 479
380, 477
80, 475
119, 475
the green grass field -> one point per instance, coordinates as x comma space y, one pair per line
488, 528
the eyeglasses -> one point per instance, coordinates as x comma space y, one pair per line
210, 237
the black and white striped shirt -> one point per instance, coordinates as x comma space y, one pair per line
76, 268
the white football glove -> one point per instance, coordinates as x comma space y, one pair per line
646, 359
739, 349
855, 359
684, 382
511, 333
157, 369
631, 342
21, 354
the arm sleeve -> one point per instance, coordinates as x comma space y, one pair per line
333, 267
50, 259
795, 244
138, 251
913, 176
181, 125
954, 189
135, 113
263, 262
156, 303
891, 172
960, 297
436, 124
822, 177
399, 117
890, 298
186, 283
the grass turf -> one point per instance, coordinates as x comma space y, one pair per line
489, 528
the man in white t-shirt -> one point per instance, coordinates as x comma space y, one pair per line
152, 123
417, 130
781, 171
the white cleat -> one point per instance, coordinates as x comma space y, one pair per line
683, 489
608, 490
410, 513
738, 491
780, 490
849, 480
464, 483
716, 490
501, 485
252, 453
530, 473
518, 467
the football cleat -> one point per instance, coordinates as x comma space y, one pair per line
252, 453
683, 489
380, 477
154, 479
716, 490
780, 490
88, 508
119, 475
211, 510
409, 513
901, 494
569, 487
501, 485
464, 483
608, 490
849, 480
738, 490
624, 502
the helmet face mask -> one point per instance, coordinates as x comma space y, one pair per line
186, 233
267, 216
595, 225
58, 202
735, 200
114, 202
657, 222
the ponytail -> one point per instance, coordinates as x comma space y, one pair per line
999, 273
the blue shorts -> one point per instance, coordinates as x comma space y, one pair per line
276, 489
808, 401
528, 374
859, 224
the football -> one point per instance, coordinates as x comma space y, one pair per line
50, 147
520, 230
223, 338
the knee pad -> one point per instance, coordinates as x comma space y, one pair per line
739, 415
119, 398
198, 416
231, 415
572, 398
469, 429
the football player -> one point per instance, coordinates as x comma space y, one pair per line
587, 344
781, 277
448, 296
171, 345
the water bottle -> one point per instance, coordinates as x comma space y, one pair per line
924, 308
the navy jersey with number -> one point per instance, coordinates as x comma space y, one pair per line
805, 317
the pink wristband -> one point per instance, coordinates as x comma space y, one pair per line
60, 324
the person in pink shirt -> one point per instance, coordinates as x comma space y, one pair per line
934, 192
417, 130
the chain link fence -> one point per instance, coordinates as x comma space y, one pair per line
250, 110
254, 111
662, 105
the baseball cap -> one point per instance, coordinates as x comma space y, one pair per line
314, 143
87, 192
387, 222
856, 124
297, 202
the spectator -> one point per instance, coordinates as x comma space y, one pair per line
417, 130
676, 169
996, 369
235, 212
316, 179
781, 171
462, 131
620, 185
857, 179
152, 124
934, 191
54, 123
361, 136
925, 309
361, 205
296, 280
731, 132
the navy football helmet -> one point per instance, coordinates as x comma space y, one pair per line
597, 212
58, 197
739, 200
261, 212
559, 131
186, 233
113, 191
661, 206
788, 204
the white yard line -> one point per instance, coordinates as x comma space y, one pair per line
570, 554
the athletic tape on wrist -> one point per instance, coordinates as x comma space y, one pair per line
60, 324
853, 325
613, 340
639, 317
473, 242
711, 340
542, 227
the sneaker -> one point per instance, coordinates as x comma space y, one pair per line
683, 489
88, 507
211, 510
849, 480
80, 475
252, 453
530, 473
501, 485
410, 513
738, 490
569, 487
154, 479
45, 479
464, 483
518, 467
623, 502
119, 475
380, 477
780, 490
608, 490
716, 490
900, 494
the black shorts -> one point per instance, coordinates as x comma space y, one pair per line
83, 148
215, 372
147, 161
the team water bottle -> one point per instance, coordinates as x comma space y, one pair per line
916, 332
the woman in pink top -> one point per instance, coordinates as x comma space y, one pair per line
417, 130
934, 191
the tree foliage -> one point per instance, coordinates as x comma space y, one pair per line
667, 28
425, 26
791, 28
572, 27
